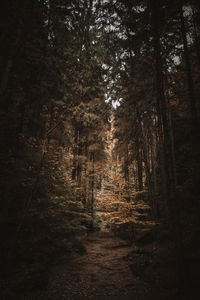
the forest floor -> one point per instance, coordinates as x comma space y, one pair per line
102, 273
116, 268
129, 258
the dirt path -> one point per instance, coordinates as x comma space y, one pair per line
100, 274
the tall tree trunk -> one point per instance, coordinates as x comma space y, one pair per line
192, 98
196, 37
154, 171
164, 135
195, 136
138, 162
75, 154
9, 62
143, 154
165, 144
126, 164
92, 186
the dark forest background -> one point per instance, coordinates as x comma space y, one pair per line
89, 89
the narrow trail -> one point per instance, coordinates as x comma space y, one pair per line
102, 273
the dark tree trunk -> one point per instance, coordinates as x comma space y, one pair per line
139, 166
9, 62
196, 38
92, 185
165, 144
195, 136
75, 154
192, 98
126, 165
163, 125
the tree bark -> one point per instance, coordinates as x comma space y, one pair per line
192, 98
9, 63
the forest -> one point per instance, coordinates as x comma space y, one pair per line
100, 149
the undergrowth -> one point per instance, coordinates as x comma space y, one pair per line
43, 218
